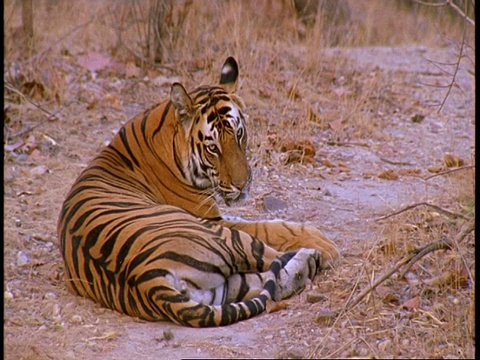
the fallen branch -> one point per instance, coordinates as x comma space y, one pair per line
410, 260
449, 171
438, 208
49, 115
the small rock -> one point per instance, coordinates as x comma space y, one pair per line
39, 170
57, 309
70, 355
22, 258
50, 296
384, 345
271, 203
76, 319
8, 295
168, 335
315, 297
325, 317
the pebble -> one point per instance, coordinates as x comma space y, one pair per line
8, 295
325, 317
39, 170
315, 297
405, 342
385, 345
22, 258
57, 309
50, 296
76, 319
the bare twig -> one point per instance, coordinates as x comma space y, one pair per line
436, 207
410, 259
454, 77
349, 143
437, 245
452, 5
467, 20
56, 43
449, 171
402, 163
50, 116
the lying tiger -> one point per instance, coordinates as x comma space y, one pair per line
140, 230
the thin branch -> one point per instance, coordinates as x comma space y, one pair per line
73, 30
450, 171
437, 245
410, 259
50, 116
452, 5
462, 14
409, 207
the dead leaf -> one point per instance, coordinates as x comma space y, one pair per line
132, 71
293, 93
113, 100
316, 297
342, 167
34, 90
454, 278
388, 175
388, 246
325, 317
336, 125
436, 169
409, 172
109, 335
417, 118
92, 105
412, 304
6, 114
328, 163
273, 306
265, 92
452, 161
306, 146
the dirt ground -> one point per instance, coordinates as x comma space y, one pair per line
343, 151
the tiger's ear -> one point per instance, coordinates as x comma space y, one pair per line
229, 76
181, 100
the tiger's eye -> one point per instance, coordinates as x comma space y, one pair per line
213, 148
240, 133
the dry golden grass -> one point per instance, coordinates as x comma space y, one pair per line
296, 91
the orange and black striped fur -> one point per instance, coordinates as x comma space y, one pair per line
141, 233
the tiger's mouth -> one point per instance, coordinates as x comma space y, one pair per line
232, 198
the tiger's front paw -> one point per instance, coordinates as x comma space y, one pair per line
330, 255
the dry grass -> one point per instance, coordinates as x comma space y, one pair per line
295, 90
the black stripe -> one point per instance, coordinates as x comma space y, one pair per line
162, 120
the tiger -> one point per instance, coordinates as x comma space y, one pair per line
140, 230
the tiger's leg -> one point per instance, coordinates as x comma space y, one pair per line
287, 236
169, 297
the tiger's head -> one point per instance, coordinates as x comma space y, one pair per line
211, 132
